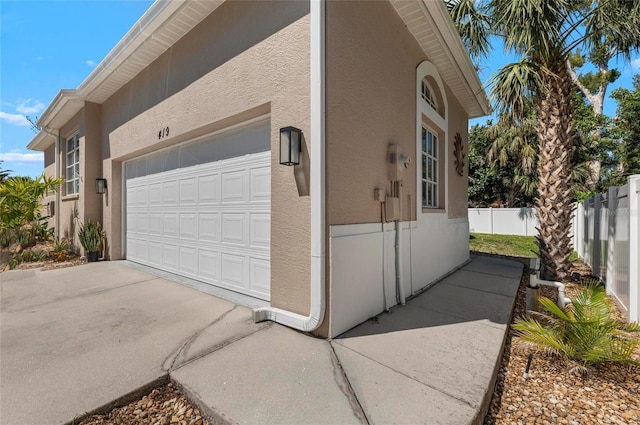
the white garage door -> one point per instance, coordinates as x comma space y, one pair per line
203, 210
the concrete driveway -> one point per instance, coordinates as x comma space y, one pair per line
75, 339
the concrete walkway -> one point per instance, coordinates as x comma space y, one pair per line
71, 345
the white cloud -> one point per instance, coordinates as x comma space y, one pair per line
22, 157
24, 107
635, 64
15, 119
91, 63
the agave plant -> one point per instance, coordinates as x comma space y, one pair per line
90, 236
585, 332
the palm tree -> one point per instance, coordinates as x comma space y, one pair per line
544, 33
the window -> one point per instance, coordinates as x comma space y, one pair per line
427, 94
431, 140
429, 169
72, 172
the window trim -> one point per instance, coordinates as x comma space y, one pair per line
433, 181
73, 167
436, 121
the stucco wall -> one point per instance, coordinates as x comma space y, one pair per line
371, 65
71, 208
233, 66
371, 101
458, 185
50, 171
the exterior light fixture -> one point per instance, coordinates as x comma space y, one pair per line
101, 186
290, 145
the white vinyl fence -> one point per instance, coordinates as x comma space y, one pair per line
606, 235
503, 221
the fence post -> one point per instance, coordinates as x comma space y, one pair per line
612, 197
491, 218
595, 254
634, 248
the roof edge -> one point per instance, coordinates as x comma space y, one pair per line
152, 19
448, 30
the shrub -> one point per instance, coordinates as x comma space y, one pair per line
584, 332
90, 236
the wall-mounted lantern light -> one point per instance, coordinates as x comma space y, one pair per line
101, 186
290, 145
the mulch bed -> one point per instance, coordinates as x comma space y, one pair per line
609, 394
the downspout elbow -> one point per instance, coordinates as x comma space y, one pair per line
535, 281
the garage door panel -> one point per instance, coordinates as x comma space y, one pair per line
260, 233
155, 223
187, 260
233, 187
187, 192
261, 184
187, 226
260, 276
170, 193
170, 225
208, 189
208, 227
170, 257
206, 220
209, 264
233, 270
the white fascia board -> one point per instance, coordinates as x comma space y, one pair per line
154, 18
56, 105
41, 141
452, 41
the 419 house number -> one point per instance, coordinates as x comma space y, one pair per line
163, 133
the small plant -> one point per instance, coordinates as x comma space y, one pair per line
25, 257
584, 332
90, 236
60, 250
41, 230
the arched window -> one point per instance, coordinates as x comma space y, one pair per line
431, 138
427, 94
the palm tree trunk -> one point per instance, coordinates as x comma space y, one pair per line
555, 138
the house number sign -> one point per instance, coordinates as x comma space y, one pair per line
163, 133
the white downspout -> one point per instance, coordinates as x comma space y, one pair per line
399, 262
535, 281
317, 305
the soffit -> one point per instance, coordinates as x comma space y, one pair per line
430, 24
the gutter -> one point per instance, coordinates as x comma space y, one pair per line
318, 219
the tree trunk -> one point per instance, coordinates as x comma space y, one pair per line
555, 113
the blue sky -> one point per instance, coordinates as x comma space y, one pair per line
46, 46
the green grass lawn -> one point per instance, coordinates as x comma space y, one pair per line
513, 246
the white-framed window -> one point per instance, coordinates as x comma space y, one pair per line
72, 165
427, 94
430, 169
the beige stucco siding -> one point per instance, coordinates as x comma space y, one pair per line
458, 185
235, 65
371, 63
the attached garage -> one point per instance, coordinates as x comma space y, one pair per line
202, 209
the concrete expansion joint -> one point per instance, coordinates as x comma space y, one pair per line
492, 274
173, 367
409, 377
190, 340
342, 380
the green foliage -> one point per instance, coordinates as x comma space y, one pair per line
584, 332
626, 131
60, 250
3, 173
20, 199
26, 257
90, 236
509, 245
